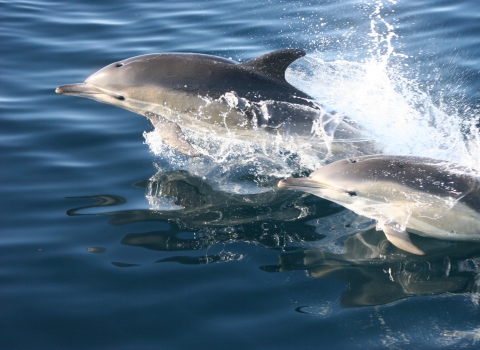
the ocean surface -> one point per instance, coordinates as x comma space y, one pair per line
111, 240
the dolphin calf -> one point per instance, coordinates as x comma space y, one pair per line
429, 197
203, 93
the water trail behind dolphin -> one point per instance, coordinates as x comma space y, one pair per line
395, 110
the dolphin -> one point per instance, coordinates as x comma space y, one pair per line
207, 94
428, 197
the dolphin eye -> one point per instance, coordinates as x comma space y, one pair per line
118, 65
350, 160
352, 193
120, 97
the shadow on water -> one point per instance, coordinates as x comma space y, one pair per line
200, 216
313, 235
191, 203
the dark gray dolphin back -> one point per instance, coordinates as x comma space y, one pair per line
426, 175
258, 79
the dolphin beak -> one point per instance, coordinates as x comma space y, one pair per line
303, 182
86, 90
307, 183
78, 89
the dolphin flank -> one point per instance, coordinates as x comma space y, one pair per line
429, 197
250, 100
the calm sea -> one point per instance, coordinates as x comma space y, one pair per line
109, 240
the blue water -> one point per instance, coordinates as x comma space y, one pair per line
111, 241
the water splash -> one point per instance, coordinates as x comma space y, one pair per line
232, 165
393, 109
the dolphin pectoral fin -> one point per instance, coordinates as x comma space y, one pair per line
172, 135
401, 239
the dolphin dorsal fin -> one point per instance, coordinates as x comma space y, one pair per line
274, 64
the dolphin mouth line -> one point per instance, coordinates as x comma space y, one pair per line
308, 183
299, 183
85, 89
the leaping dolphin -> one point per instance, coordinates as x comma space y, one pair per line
429, 197
212, 94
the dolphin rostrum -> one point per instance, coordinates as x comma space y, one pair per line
429, 197
211, 94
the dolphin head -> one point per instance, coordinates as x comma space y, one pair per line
148, 82
341, 182
135, 84
116, 84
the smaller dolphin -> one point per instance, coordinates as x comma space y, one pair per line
429, 197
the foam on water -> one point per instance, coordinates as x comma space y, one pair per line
393, 109
226, 162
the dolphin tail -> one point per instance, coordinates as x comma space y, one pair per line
400, 238
172, 135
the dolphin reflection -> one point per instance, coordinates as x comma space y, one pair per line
191, 203
199, 217
306, 228
378, 273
